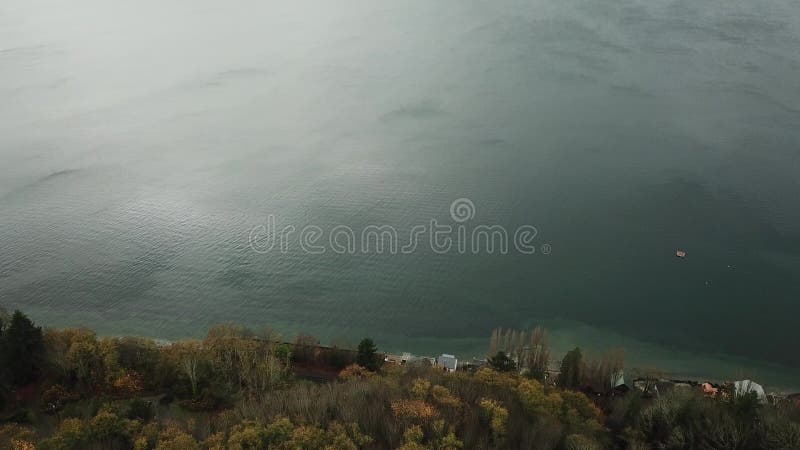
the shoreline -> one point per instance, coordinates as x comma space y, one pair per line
564, 335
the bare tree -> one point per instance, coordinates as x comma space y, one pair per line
532, 354
604, 373
190, 355
538, 360
305, 346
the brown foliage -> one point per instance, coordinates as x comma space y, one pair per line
355, 372
128, 385
414, 410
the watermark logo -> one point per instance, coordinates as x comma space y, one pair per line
462, 210
441, 238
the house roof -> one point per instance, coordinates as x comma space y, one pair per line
448, 361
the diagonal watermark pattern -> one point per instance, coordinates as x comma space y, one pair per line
441, 238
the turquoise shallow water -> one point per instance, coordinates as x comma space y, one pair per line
141, 143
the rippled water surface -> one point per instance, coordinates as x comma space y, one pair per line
142, 141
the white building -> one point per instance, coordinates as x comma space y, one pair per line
447, 362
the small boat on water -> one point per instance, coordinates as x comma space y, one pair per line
680, 254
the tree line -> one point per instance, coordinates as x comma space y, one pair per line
237, 389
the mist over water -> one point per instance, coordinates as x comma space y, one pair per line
142, 141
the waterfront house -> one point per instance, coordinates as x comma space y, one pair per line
447, 362
744, 387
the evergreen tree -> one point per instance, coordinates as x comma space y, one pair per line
502, 362
571, 375
21, 350
367, 354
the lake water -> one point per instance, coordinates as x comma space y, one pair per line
141, 142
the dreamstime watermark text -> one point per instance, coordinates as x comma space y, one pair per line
459, 236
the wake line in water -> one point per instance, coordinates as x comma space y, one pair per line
41, 181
